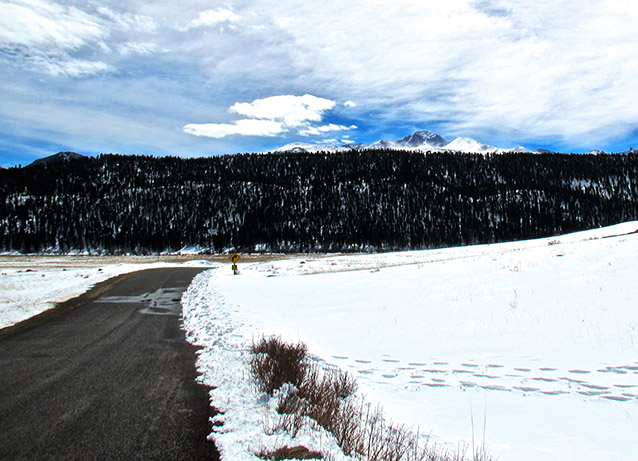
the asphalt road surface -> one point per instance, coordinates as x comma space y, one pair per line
109, 377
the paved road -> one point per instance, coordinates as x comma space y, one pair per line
110, 379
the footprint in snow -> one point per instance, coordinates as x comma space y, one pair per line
554, 392
616, 370
616, 398
434, 384
593, 393
526, 389
495, 387
594, 386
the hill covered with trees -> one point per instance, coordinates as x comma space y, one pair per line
351, 201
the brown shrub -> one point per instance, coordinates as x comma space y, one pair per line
275, 363
327, 395
298, 452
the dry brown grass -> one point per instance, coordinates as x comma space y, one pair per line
328, 396
275, 363
298, 452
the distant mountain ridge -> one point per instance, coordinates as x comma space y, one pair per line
419, 141
422, 141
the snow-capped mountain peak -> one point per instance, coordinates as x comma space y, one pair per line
470, 145
421, 137
419, 141
299, 147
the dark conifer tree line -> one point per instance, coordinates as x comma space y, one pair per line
353, 201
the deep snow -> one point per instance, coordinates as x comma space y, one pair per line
533, 344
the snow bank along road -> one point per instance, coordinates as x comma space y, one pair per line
111, 379
531, 346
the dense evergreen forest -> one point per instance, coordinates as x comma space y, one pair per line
353, 201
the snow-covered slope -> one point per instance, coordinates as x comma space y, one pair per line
311, 148
470, 145
532, 345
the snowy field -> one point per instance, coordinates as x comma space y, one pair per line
30, 285
530, 347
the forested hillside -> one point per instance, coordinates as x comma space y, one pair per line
353, 201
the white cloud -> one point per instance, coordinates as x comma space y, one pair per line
293, 111
139, 49
63, 40
272, 116
45, 24
43, 34
71, 67
240, 127
563, 71
128, 21
319, 130
543, 69
213, 17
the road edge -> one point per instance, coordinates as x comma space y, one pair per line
64, 307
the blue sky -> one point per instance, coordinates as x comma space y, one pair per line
195, 78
